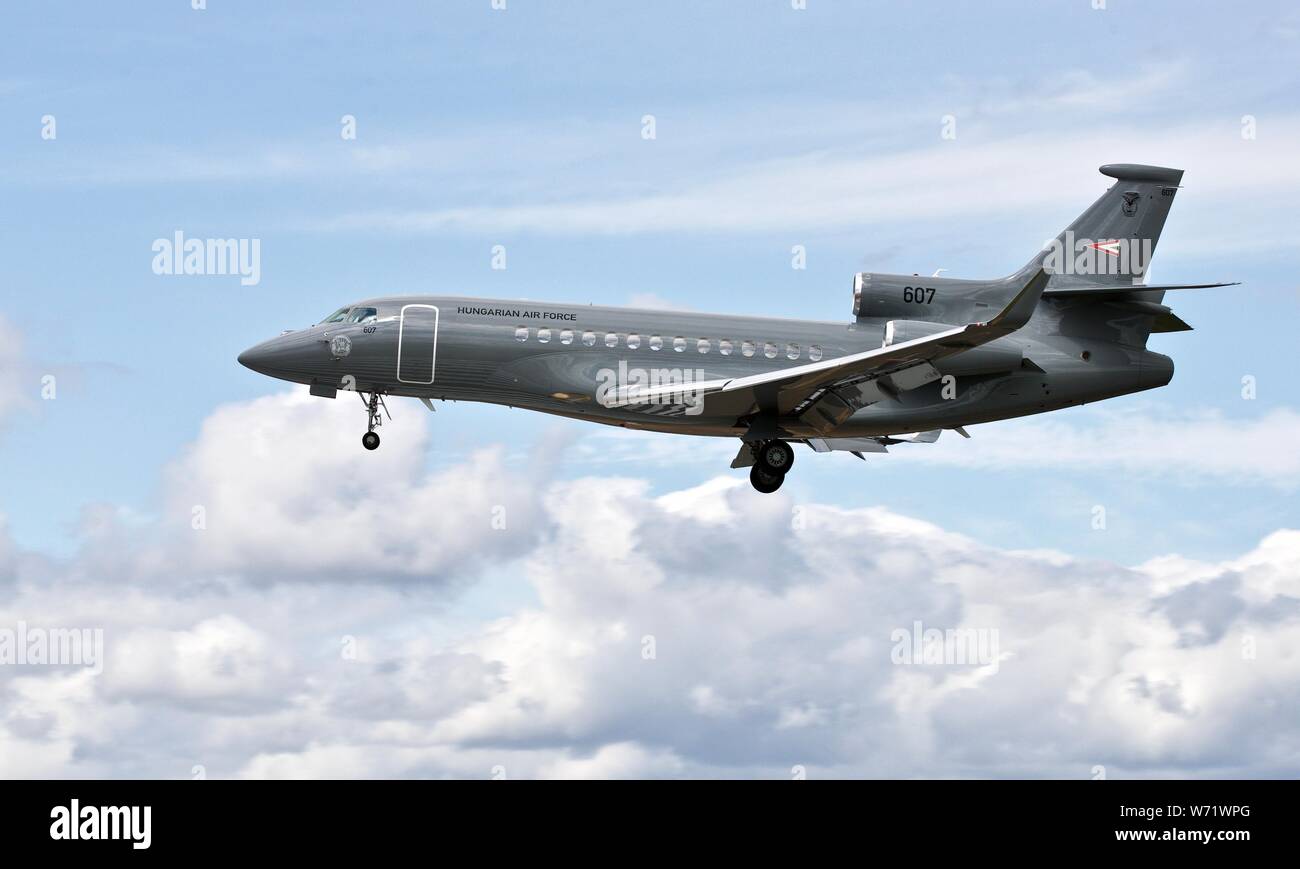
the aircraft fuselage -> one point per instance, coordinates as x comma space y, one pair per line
555, 358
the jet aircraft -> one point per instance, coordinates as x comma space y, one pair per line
921, 354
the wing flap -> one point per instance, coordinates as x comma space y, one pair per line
848, 445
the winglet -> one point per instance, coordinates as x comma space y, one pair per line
1021, 308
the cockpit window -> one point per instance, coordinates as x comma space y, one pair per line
363, 315
338, 316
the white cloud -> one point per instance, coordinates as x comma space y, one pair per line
708, 631
1066, 91
282, 487
617, 760
576, 175
1143, 440
219, 660
852, 186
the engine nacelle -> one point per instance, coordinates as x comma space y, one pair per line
996, 357
913, 297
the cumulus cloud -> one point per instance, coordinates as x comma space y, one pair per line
707, 631
279, 489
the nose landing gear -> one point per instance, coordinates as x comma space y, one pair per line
772, 460
370, 440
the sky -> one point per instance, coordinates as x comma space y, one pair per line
502, 594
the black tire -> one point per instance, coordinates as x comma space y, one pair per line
776, 457
370, 440
765, 481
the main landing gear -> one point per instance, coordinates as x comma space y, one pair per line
370, 440
772, 459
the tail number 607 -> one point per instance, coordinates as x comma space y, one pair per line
919, 295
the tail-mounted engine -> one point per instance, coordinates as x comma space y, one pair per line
933, 299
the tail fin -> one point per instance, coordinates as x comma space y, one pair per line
1111, 244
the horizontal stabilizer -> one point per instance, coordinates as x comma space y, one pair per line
1095, 290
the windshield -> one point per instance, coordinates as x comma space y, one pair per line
337, 317
363, 315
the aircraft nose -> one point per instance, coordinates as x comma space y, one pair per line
291, 356
257, 357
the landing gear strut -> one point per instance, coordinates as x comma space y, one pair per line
370, 440
772, 459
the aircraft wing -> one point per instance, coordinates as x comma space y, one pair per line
825, 393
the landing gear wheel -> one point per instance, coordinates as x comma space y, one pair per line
370, 440
764, 480
776, 457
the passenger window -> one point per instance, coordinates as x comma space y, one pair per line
703, 345
656, 342
747, 348
633, 342
679, 344
589, 338
814, 353
566, 337
769, 349
792, 351
544, 335
611, 339
724, 347
521, 334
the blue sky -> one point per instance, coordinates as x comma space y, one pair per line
225, 122
522, 127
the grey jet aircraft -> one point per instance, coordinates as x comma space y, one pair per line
922, 354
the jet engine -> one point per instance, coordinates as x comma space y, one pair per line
933, 299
